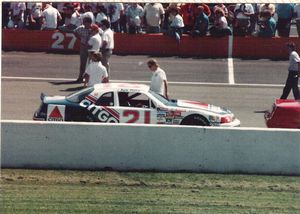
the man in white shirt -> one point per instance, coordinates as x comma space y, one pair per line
154, 17
101, 14
177, 25
294, 72
107, 43
95, 41
159, 82
51, 17
95, 71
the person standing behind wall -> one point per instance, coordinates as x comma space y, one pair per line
51, 17
83, 33
297, 17
285, 14
159, 82
107, 44
154, 17
294, 72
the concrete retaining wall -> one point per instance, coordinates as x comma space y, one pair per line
27, 144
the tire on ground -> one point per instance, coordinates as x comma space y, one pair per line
195, 120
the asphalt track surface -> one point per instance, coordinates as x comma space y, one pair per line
256, 82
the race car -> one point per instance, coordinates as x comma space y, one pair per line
284, 114
130, 103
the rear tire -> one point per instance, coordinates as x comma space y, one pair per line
195, 120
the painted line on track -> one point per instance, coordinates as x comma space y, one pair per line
147, 82
230, 61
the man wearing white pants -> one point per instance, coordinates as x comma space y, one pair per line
107, 44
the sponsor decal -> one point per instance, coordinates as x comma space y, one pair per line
91, 98
56, 112
103, 113
161, 120
176, 121
174, 114
169, 120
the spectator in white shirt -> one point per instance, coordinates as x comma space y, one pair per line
95, 71
51, 17
220, 27
101, 14
72, 19
154, 17
176, 23
17, 14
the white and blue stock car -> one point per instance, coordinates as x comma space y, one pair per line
130, 103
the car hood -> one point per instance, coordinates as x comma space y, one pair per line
200, 106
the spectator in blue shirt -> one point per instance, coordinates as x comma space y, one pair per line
285, 14
267, 25
201, 24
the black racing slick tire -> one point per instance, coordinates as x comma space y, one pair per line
195, 120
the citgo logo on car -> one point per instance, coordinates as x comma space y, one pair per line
56, 113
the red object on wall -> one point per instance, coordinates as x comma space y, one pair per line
152, 44
270, 48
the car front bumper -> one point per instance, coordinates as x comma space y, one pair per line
234, 123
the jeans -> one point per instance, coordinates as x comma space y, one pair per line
153, 29
291, 84
298, 26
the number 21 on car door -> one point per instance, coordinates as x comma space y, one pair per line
141, 116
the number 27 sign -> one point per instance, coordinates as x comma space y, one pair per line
63, 41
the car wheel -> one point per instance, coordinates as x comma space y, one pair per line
195, 120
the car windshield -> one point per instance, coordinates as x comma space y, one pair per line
79, 95
161, 98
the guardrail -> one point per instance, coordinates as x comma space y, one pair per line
58, 145
154, 44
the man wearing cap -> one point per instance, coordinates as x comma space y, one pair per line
95, 41
294, 72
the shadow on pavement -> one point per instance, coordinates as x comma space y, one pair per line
65, 82
74, 89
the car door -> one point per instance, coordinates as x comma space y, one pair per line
101, 109
136, 107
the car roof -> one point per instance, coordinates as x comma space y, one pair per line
127, 87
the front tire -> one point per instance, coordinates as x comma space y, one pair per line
195, 120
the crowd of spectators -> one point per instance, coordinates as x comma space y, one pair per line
195, 19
